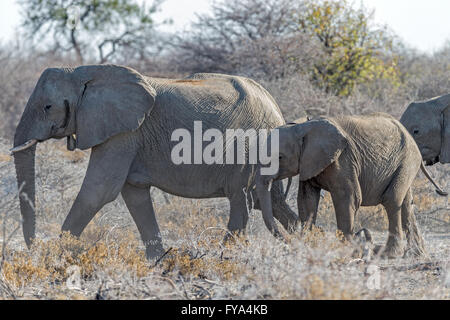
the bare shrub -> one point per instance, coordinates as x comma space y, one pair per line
297, 97
427, 75
253, 38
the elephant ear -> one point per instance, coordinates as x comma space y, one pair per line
445, 142
113, 100
322, 143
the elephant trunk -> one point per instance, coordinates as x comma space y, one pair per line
281, 210
263, 188
25, 172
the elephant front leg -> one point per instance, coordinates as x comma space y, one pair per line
139, 203
238, 215
346, 202
415, 243
106, 174
308, 203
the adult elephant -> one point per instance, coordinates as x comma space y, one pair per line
128, 119
429, 124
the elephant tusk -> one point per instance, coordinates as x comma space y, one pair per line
24, 146
71, 142
269, 187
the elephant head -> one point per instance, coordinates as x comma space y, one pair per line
88, 105
429, 123
306, 149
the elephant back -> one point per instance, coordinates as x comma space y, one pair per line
219, 101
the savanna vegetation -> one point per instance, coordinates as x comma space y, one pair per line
315, 57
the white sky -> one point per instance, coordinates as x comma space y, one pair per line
424, 24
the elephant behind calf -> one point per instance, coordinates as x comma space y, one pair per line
361, 161
128, 120
429, 124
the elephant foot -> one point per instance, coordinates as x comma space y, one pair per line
232, 237
291, 227
279, 236
415, 252
415, 247
311, 229
385, 252
392, 250
289, 221
288, 218
155, 253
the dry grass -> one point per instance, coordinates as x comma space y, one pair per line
112, 264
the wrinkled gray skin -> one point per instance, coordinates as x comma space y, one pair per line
429, 124
128, 119
361, 161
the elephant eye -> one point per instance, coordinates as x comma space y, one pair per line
48, 107
416, 131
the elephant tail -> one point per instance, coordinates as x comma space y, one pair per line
288, 187
438, 188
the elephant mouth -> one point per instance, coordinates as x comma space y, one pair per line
429, 155
432, 162
283, 176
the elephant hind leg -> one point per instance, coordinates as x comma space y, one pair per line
393, 205
415, 243
394, 248
139, 203
397, 201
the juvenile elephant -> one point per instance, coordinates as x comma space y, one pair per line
128, 120
362, 161
429, 124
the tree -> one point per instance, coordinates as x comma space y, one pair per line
427, 75
353, 51
334, 44
92, 29
257, 38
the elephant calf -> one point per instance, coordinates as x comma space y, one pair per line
362, 161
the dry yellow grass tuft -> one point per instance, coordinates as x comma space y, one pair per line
189, 265
50, 260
